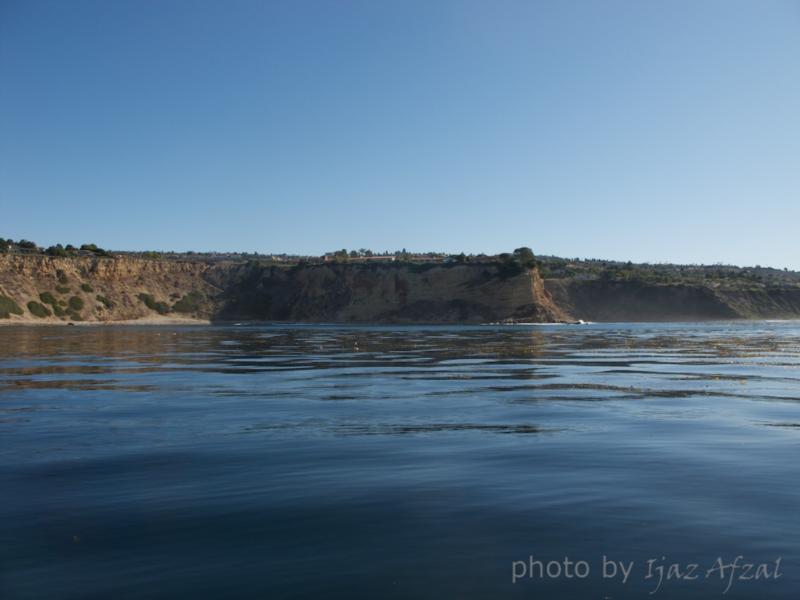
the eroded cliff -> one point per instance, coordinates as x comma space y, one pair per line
387, 293
119, 289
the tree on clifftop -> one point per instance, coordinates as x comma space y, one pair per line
93, 248
525, 257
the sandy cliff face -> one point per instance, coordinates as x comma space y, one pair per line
128, 288
105, 289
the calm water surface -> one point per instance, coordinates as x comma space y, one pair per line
396, 462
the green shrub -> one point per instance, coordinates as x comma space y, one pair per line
62, 277
87, 288
48, 298
189, 303
105, 301
38, 310
161, 308
61, 289
58, 311
75, 304
8, 307
75, 316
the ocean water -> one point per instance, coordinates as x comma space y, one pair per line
400, 462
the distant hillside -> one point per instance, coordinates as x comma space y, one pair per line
637, 300
727, 276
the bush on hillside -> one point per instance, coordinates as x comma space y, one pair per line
105, 301
75, 303
161, 308
8, 307
189, 303
48, 298
38, 310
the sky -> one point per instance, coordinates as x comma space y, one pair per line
645, 131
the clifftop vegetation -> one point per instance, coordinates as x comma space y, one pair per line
510, 264
29, 247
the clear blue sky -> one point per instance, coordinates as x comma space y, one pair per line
661, 131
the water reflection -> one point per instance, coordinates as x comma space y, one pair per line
583, 363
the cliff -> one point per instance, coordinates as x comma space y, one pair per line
387, 293
42, 289
53, 290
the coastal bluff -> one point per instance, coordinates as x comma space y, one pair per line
42, 289
52, 290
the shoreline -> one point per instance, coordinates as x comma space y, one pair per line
165, 321
142, 321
